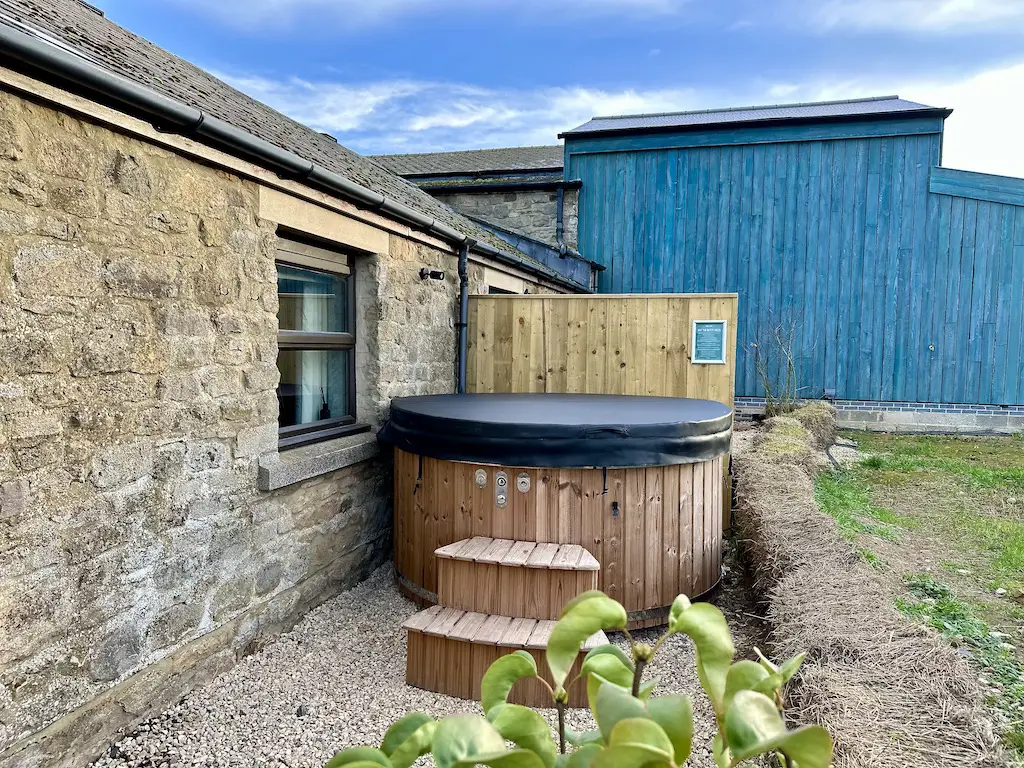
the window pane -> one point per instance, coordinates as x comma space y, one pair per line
311, 300
314, 385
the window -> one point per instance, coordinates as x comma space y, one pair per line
316, 341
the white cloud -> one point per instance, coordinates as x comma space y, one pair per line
948, 16
983, 133
359, 13
410, 116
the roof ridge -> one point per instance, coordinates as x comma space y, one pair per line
863, 100
466, 151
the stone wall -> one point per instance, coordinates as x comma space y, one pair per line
137, 394
531, 212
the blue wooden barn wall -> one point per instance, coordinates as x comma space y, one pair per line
895, 292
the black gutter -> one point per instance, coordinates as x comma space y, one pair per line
771, 122
463, 323
171, 115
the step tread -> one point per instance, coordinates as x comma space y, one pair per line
489, 629
529, 554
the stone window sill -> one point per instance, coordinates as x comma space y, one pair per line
298, 464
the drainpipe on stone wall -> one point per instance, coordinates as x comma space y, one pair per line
563, 251
463, 315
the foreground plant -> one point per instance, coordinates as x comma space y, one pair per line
635, 729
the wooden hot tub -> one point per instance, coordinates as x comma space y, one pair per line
637, 481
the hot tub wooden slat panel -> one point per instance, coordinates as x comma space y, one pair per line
593, 513
670, 511
652, 539
612, 555
464, 486
648, 552
698, 527
636, 485
523, 506
544, 507
686, 528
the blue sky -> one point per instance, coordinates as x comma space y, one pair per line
426, 75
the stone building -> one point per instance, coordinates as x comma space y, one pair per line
205, 310
519, 194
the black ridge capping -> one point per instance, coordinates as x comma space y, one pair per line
558, 430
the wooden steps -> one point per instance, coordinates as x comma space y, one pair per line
525, 579
450, 649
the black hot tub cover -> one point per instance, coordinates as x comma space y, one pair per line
554, 430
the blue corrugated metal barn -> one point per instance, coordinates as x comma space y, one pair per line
902, 280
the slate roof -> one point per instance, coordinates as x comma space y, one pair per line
810, 111
82, 29
474, 161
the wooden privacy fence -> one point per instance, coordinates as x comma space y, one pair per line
601, 344
604, 344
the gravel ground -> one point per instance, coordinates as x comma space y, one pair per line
337, 680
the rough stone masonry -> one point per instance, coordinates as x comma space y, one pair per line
137, 394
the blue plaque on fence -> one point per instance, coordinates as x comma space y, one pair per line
708, 345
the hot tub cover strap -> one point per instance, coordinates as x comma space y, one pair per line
554, 430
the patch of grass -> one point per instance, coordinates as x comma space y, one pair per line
846, 498
935, 604
984, 522
871, 558
991, 462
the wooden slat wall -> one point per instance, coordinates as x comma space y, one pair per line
897, 291
634, 345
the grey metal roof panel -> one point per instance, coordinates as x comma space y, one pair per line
821, 110
77, 27
474, 161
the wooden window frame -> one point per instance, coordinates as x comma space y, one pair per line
291, 253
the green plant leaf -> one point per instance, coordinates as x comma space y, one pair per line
754, 726
614, 704
613, 650
646, 689
791, 666
642, 733
499, 678
517, 758
580, 598
635, 743
581, 739
461, 738
418, 744
675, 716
765, 661
609, 667
402, 729
752, 721
359, 757
581, 618
525, 728
719, 752
706, 626
584, 756
744, 675
679, 606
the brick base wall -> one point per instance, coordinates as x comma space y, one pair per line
890, 416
